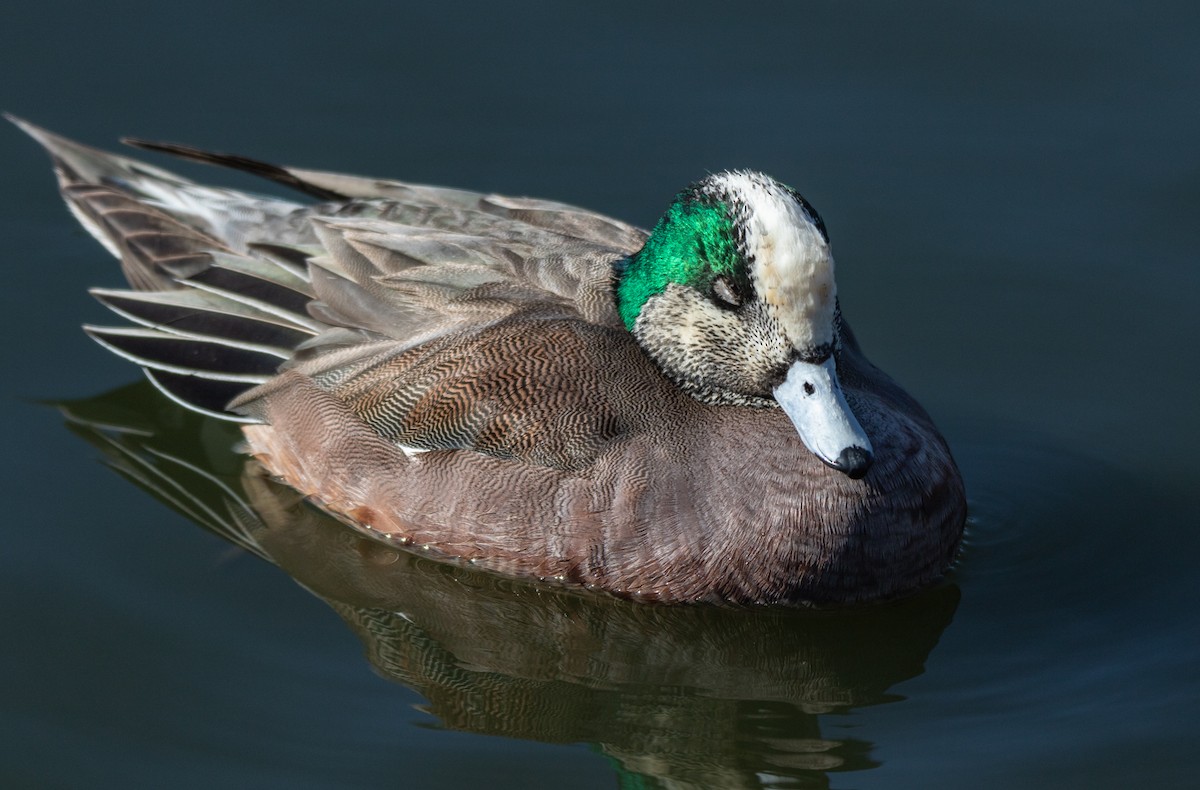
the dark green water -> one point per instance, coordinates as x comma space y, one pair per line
1012, 192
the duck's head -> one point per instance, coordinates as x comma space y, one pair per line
733, 297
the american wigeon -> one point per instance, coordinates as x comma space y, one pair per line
677, 416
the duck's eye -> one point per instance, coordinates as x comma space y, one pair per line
725, 292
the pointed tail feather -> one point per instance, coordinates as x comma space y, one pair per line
212, 321
78, 163
256, 167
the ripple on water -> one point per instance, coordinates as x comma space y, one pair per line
1076, 589
1049, 522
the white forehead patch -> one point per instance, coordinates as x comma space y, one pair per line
792, 266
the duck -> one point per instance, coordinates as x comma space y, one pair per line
677, 416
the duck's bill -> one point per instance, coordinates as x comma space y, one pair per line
812, 397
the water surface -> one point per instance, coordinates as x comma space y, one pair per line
1011, 190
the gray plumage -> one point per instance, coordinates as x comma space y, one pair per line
448, 369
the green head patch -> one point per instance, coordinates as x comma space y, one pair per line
694, 243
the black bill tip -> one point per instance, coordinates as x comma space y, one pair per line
853, 461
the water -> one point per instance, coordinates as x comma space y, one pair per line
1011, 191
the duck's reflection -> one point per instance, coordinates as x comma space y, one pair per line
698, 696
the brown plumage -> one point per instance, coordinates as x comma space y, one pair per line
454, 375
